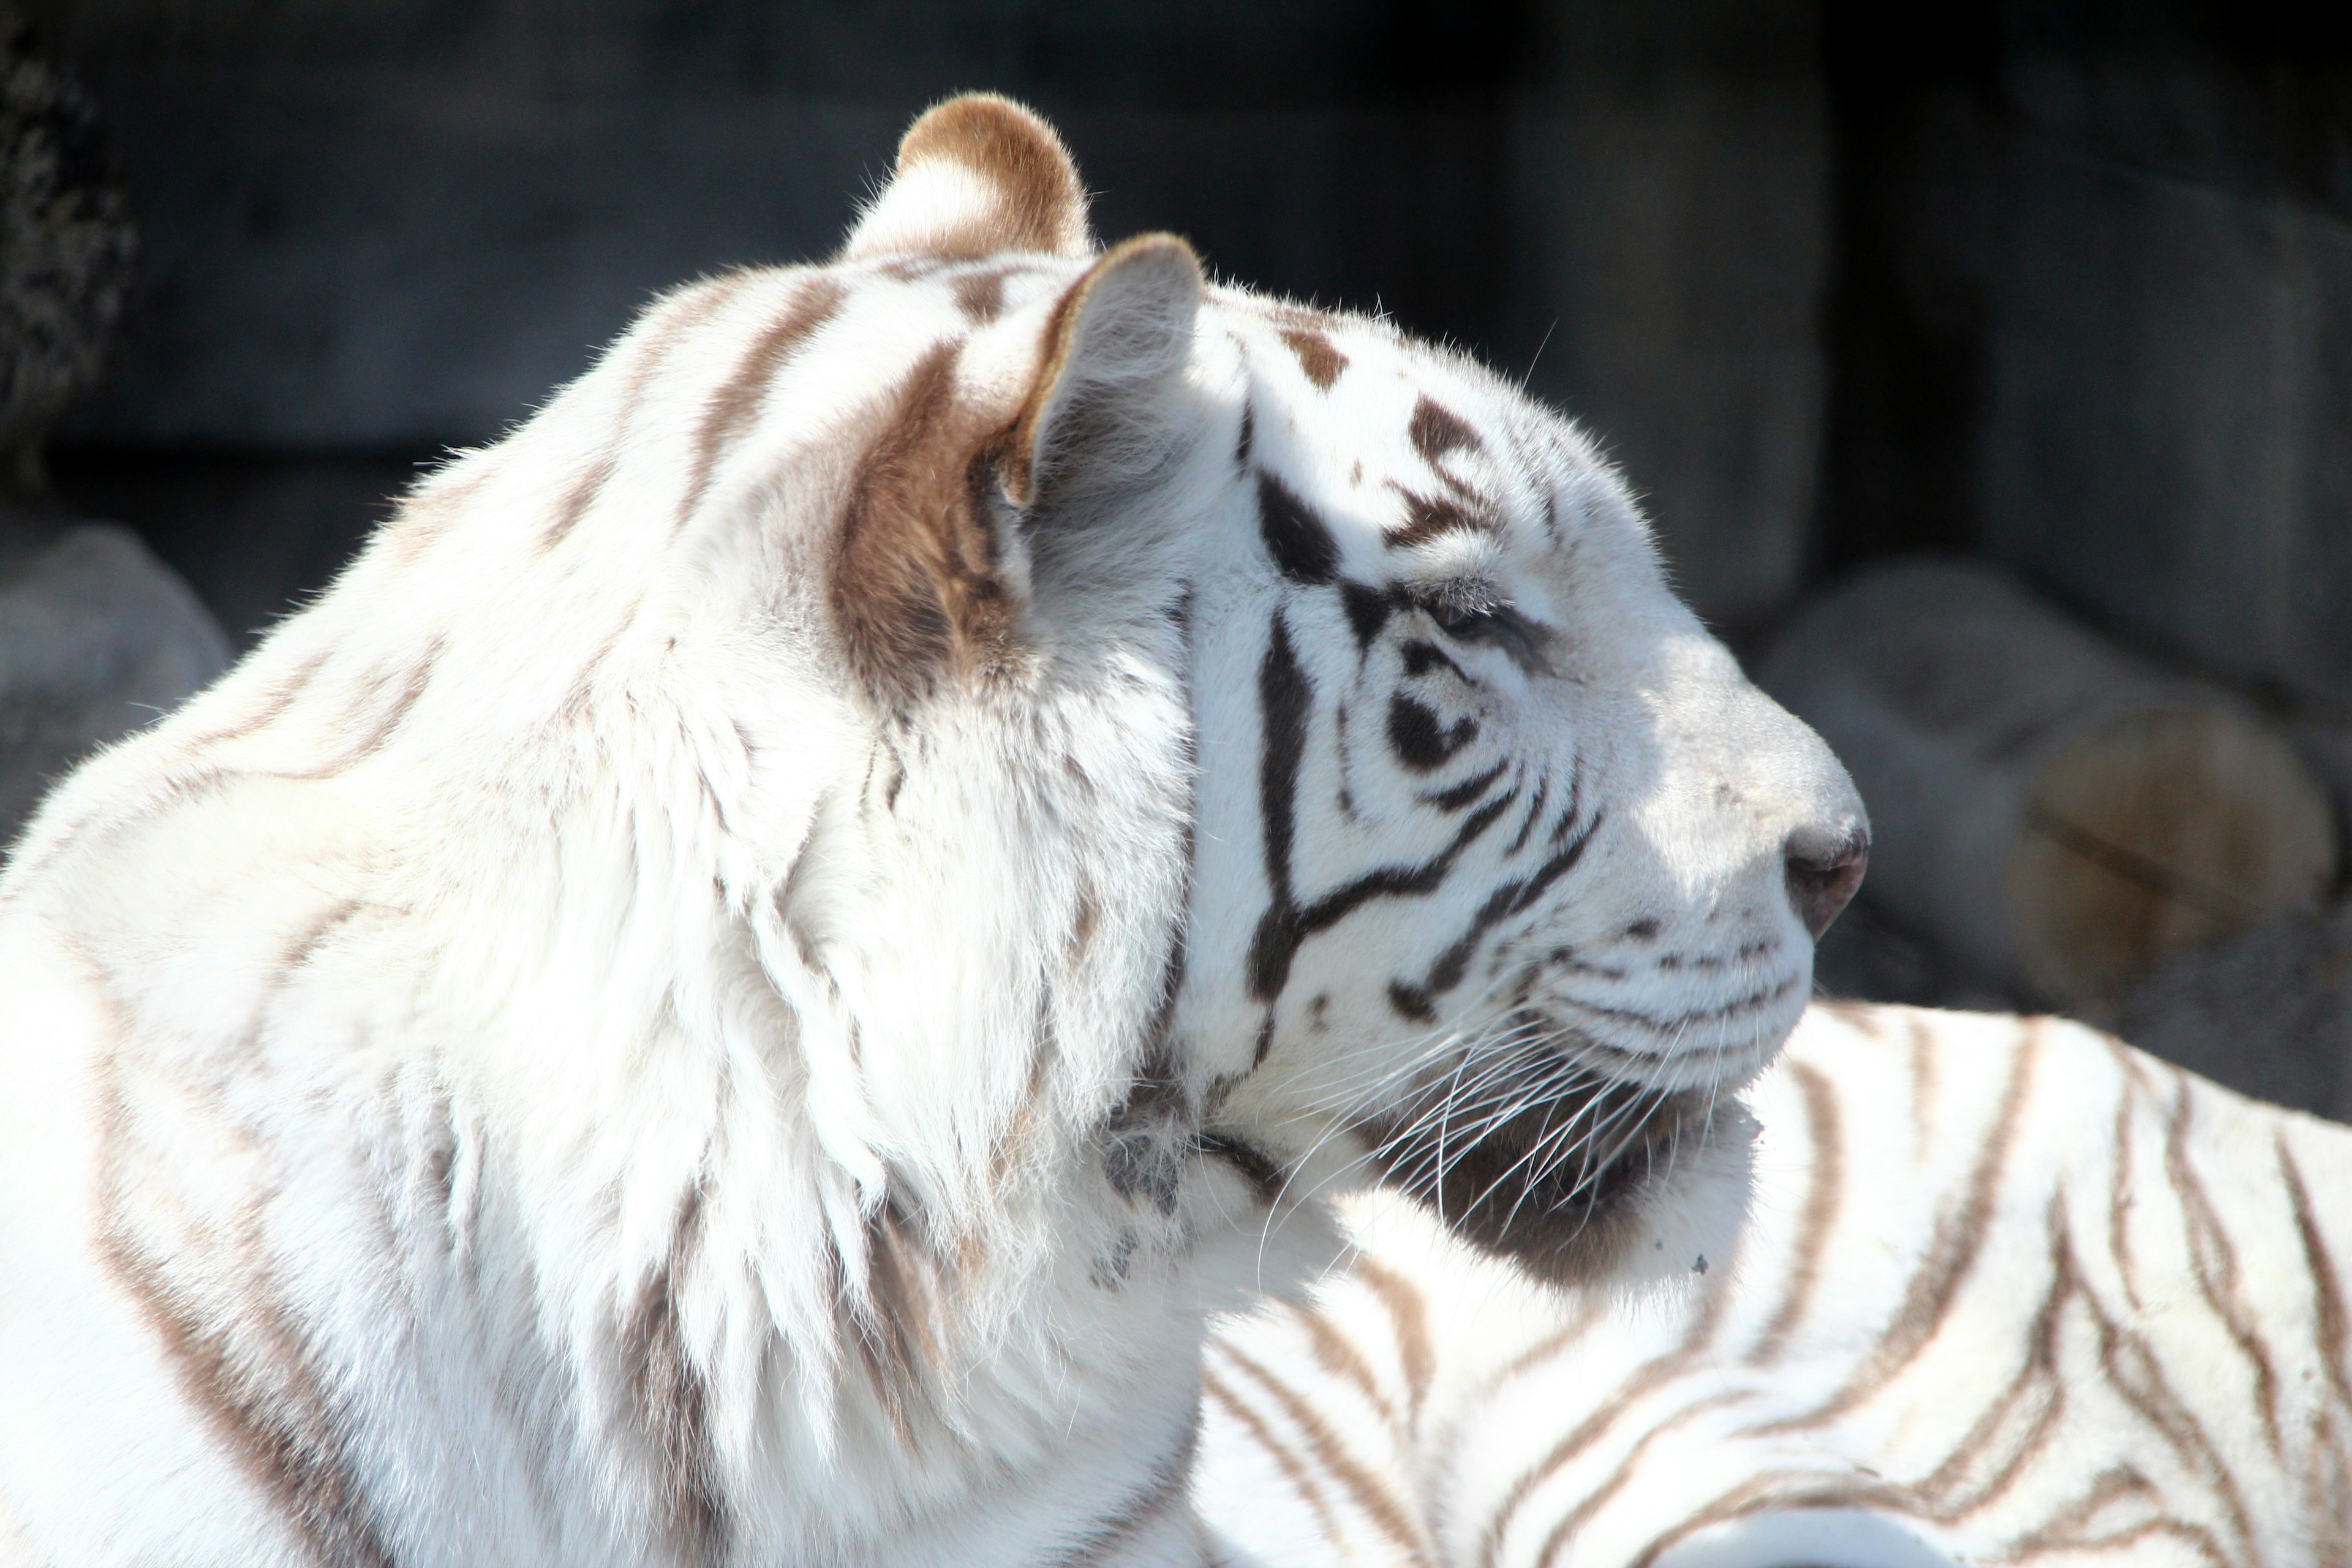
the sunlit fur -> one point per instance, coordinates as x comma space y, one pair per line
2011, 1293
737, 988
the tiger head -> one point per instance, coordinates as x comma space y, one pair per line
1130, 725
1496, 874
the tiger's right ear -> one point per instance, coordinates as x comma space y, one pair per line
1099, 412
976, 175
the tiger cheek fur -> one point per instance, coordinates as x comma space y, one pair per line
739, 987
1501, 911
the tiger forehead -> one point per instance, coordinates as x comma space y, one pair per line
1365, 432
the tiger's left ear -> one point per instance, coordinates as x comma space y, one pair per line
976, 175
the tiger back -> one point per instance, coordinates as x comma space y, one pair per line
2011, 1291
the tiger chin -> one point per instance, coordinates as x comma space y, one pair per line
739, 987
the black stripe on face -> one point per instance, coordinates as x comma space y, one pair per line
1285, 697
1416, 1002
1297, 538
1368, 611
1421, 742
1421, 658
1286, 926
1468, 791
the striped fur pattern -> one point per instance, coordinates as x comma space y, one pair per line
739, 987
2011, 1292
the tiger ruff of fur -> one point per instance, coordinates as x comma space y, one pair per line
738, 988
2011, 1292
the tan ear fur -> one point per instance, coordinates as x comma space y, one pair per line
1124, 326
976, 175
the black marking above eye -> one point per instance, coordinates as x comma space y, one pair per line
1297, 540
1421, 658
1421, 743
1368, 610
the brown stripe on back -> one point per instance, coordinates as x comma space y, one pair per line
669, 1402
1958, 1241
1284, 1460
1339, 1357
1569, 1524
578, 497
2123, 1180
1410, 1314
428, 512
915, 586
1316, 357
2067, 1530
403, 697
2135, 1375
2333, 1323
1823, 1193
1924, 1086
1652, 1375
272, 707
738, 398
2041, 1375
238, 1354
1390, 1515
671, 320
2213, 1260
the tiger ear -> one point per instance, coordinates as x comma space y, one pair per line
976, 175
1100, 411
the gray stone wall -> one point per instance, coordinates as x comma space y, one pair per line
1674, 250
2169, 424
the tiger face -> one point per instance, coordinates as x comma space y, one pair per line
1505, 874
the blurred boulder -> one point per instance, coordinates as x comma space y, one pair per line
2057, 815
97, 638
2269, 1014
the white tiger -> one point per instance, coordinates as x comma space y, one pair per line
737, 988
2011, 1292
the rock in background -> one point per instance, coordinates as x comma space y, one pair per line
2054, 812
97, 638
2063, 823
2269, 1013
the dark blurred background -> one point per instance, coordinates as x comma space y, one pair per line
2063, 290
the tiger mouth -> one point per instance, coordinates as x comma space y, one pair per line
1551, 1175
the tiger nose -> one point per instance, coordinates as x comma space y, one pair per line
1825, 866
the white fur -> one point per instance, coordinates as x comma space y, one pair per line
542, 966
